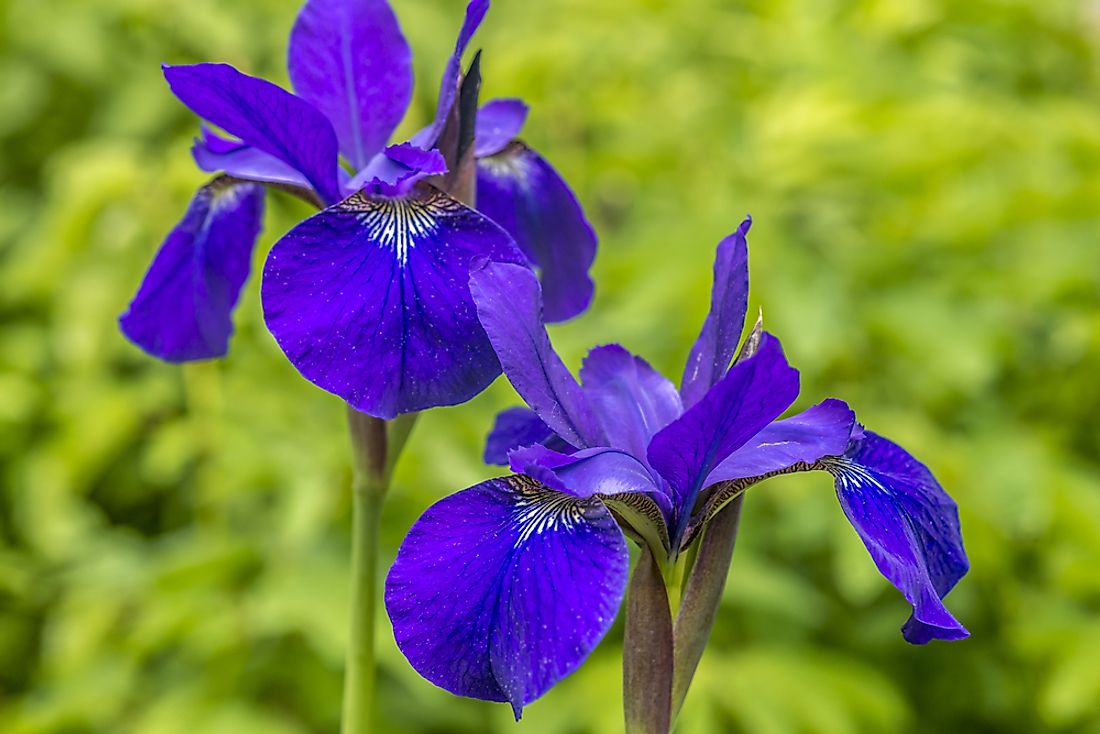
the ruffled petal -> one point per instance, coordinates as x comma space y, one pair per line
498, 123
263, 116
753, 393
370, 300
448, 86
501, 590
213, 153
396, 170
521, 192
514, 428
729, 300
632, 401
823, 430
349, 59
509, 304
909, 525
184, 306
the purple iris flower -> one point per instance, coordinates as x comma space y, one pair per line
369, 298
502, 589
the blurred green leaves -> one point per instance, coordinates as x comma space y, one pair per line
924, 178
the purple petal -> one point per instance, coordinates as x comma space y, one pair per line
349, 59
910, 526
214, 153
514, 427
753, 393
498, 123
631, 400
448, 87
263, 116
521, 192
396, 170
509, 304
501, 590
183, 309
370, 300
823, 430
729, 300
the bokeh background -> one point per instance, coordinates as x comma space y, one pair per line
925, 181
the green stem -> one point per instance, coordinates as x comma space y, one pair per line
376, 444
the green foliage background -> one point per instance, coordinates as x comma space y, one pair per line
925, 179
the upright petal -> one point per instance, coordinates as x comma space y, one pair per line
263, 116
514, 428
521, 192
729, 300
213, 152
823, 430
753, 393
183, 309
498, 123
349, 59
909, 525
509, 304
370, 300
632, 401
448, 87
501, 590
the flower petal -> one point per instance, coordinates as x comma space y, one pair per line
514, 428
370, 300
396, 169
509, 304
183, 309
729, 300
263, 116
823, 430
632, 401
498, 123
214, 153
501, 590
349, 59
909, 525
753, 393
448, 86
521, 192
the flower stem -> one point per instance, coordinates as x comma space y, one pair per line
647, 650
376, 444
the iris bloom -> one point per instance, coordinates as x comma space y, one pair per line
502, 589
369, 299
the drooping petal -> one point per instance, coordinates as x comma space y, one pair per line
632, 401
501, 590
513, 428
521, 192
509, 304
729, 300
184, 306
823, 430
753, 393
909, 525
263, 116
370, 300
498, 122
448, 86
213, 153
349, 59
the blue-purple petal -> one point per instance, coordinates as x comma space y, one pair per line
183, 310
396, 170
263, 116
631, 400
501, 590
729, 300
753, 393
826, 429
509, 304
521, 192
514, 428
370, 300
213, 152
910, 526
498, 123
349, 59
